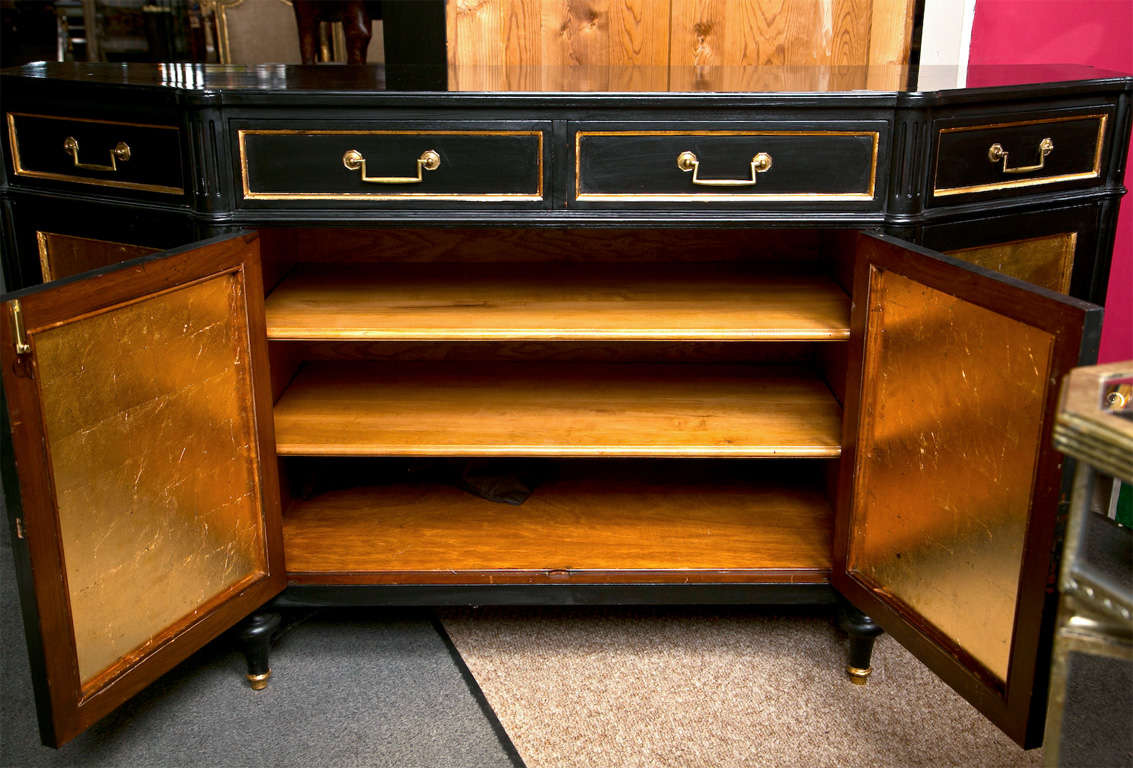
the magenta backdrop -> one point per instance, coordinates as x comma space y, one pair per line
1094, 32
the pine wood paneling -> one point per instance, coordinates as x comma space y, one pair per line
475, 58
645, 45
891, 34
639, 45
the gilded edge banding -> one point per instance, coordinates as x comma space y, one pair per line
44, 261
20, 170
1101, 117
687, 197
243, 133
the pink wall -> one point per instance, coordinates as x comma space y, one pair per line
1094, 32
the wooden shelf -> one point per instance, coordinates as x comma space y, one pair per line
591, 525
703, 302
520, 409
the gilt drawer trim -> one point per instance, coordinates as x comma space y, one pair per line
1093, 173
19, 169
581, 196
249, 194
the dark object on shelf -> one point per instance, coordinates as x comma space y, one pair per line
356, 17
505, 482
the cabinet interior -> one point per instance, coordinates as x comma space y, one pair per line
671, 400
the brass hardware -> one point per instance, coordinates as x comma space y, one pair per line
259, 682
996, 152
687, 161
21, 170
19, 528
121, 152
486, 197
18, 332
998, 186
858, 675
428, 161
867, 194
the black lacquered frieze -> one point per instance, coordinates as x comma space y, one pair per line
113, 155
811, 163
388, 162
1010, 155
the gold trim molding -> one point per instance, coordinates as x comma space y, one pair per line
19, 169
995, 186
581, 196
243, 133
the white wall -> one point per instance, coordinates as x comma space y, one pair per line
945, 39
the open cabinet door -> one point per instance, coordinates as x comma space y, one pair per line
146, 514
948, 520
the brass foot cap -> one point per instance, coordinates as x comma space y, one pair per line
858, 676
259, 682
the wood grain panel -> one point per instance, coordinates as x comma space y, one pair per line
520, 27
696, 54
848, 44
890, 35
576, 45
770, 45
639, 45
709, 302
678, 45
475, 54
517, 409
592, 523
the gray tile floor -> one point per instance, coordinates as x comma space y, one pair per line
356, 688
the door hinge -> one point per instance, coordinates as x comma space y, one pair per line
18, 333
19, 528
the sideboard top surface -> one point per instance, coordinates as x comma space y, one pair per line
251, 84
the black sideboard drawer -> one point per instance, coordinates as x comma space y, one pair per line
808, 165
481, 164
985, 157
116, 155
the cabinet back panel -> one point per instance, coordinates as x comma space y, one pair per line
487, 244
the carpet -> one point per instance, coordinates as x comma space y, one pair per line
690, 688
350, 688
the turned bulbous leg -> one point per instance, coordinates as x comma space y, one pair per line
862, 632
255, 639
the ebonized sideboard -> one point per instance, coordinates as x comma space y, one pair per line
277, 335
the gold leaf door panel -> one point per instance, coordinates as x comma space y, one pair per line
148, 501
946, 469
152, 451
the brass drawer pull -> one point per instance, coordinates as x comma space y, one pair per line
121, 152
996, 152
687, 161
428, 161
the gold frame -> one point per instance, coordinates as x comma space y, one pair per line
1095, 172
696, 196
19, 169
243, 133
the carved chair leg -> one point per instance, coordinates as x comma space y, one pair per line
862, 632
255, 638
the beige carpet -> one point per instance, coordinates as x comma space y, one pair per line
699, 688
